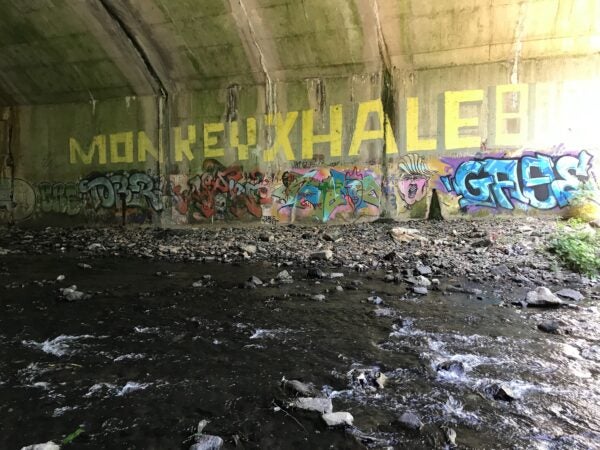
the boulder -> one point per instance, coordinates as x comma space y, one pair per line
322, 405
542, 297
502, 392
550, 326
338, 419
421, 290
571, 294
256, 281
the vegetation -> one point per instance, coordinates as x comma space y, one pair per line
578, 247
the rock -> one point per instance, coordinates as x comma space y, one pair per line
380, 380
571, 294
207, 442
334, 275
542, 297
450, 436
198, 284
255, 280
71, 294
391, 256
421, 290
401, 234
375, 300
410, 421
338, 419
284, 276
266, 237
389, 278
60, 278
322, 255
339, 288
322, 405
549, 326
420, 281
486, 242
84, 266
248, 248
297, 387
570, 352
47, 446
423, 270
332, 236
456, 367
502, 392
319, 298
315, 272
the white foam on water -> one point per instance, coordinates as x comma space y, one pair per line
59, 346
262, 333
147, 330
132, 386
98, 387
60, 411
129, 356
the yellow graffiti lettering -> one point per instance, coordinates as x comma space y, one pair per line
126, 140
334, 137
211, 140
414, 142
98, 143
182, 145
234, 137
361, 134
145, 147
512, 104
454, 122
283, 127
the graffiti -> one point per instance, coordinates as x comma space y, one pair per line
63, 198
539, 181
220, 193
17, 200
413, 179
325, 193
137, 190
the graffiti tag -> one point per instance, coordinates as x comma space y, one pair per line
539, 181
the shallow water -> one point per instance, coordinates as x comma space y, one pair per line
139, 364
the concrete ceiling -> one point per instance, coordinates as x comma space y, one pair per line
55, 51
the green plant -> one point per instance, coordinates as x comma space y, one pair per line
578, 247
71, 437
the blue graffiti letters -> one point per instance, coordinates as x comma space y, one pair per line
539, 181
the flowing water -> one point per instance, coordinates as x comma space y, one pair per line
149, 355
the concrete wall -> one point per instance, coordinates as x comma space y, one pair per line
276, 111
